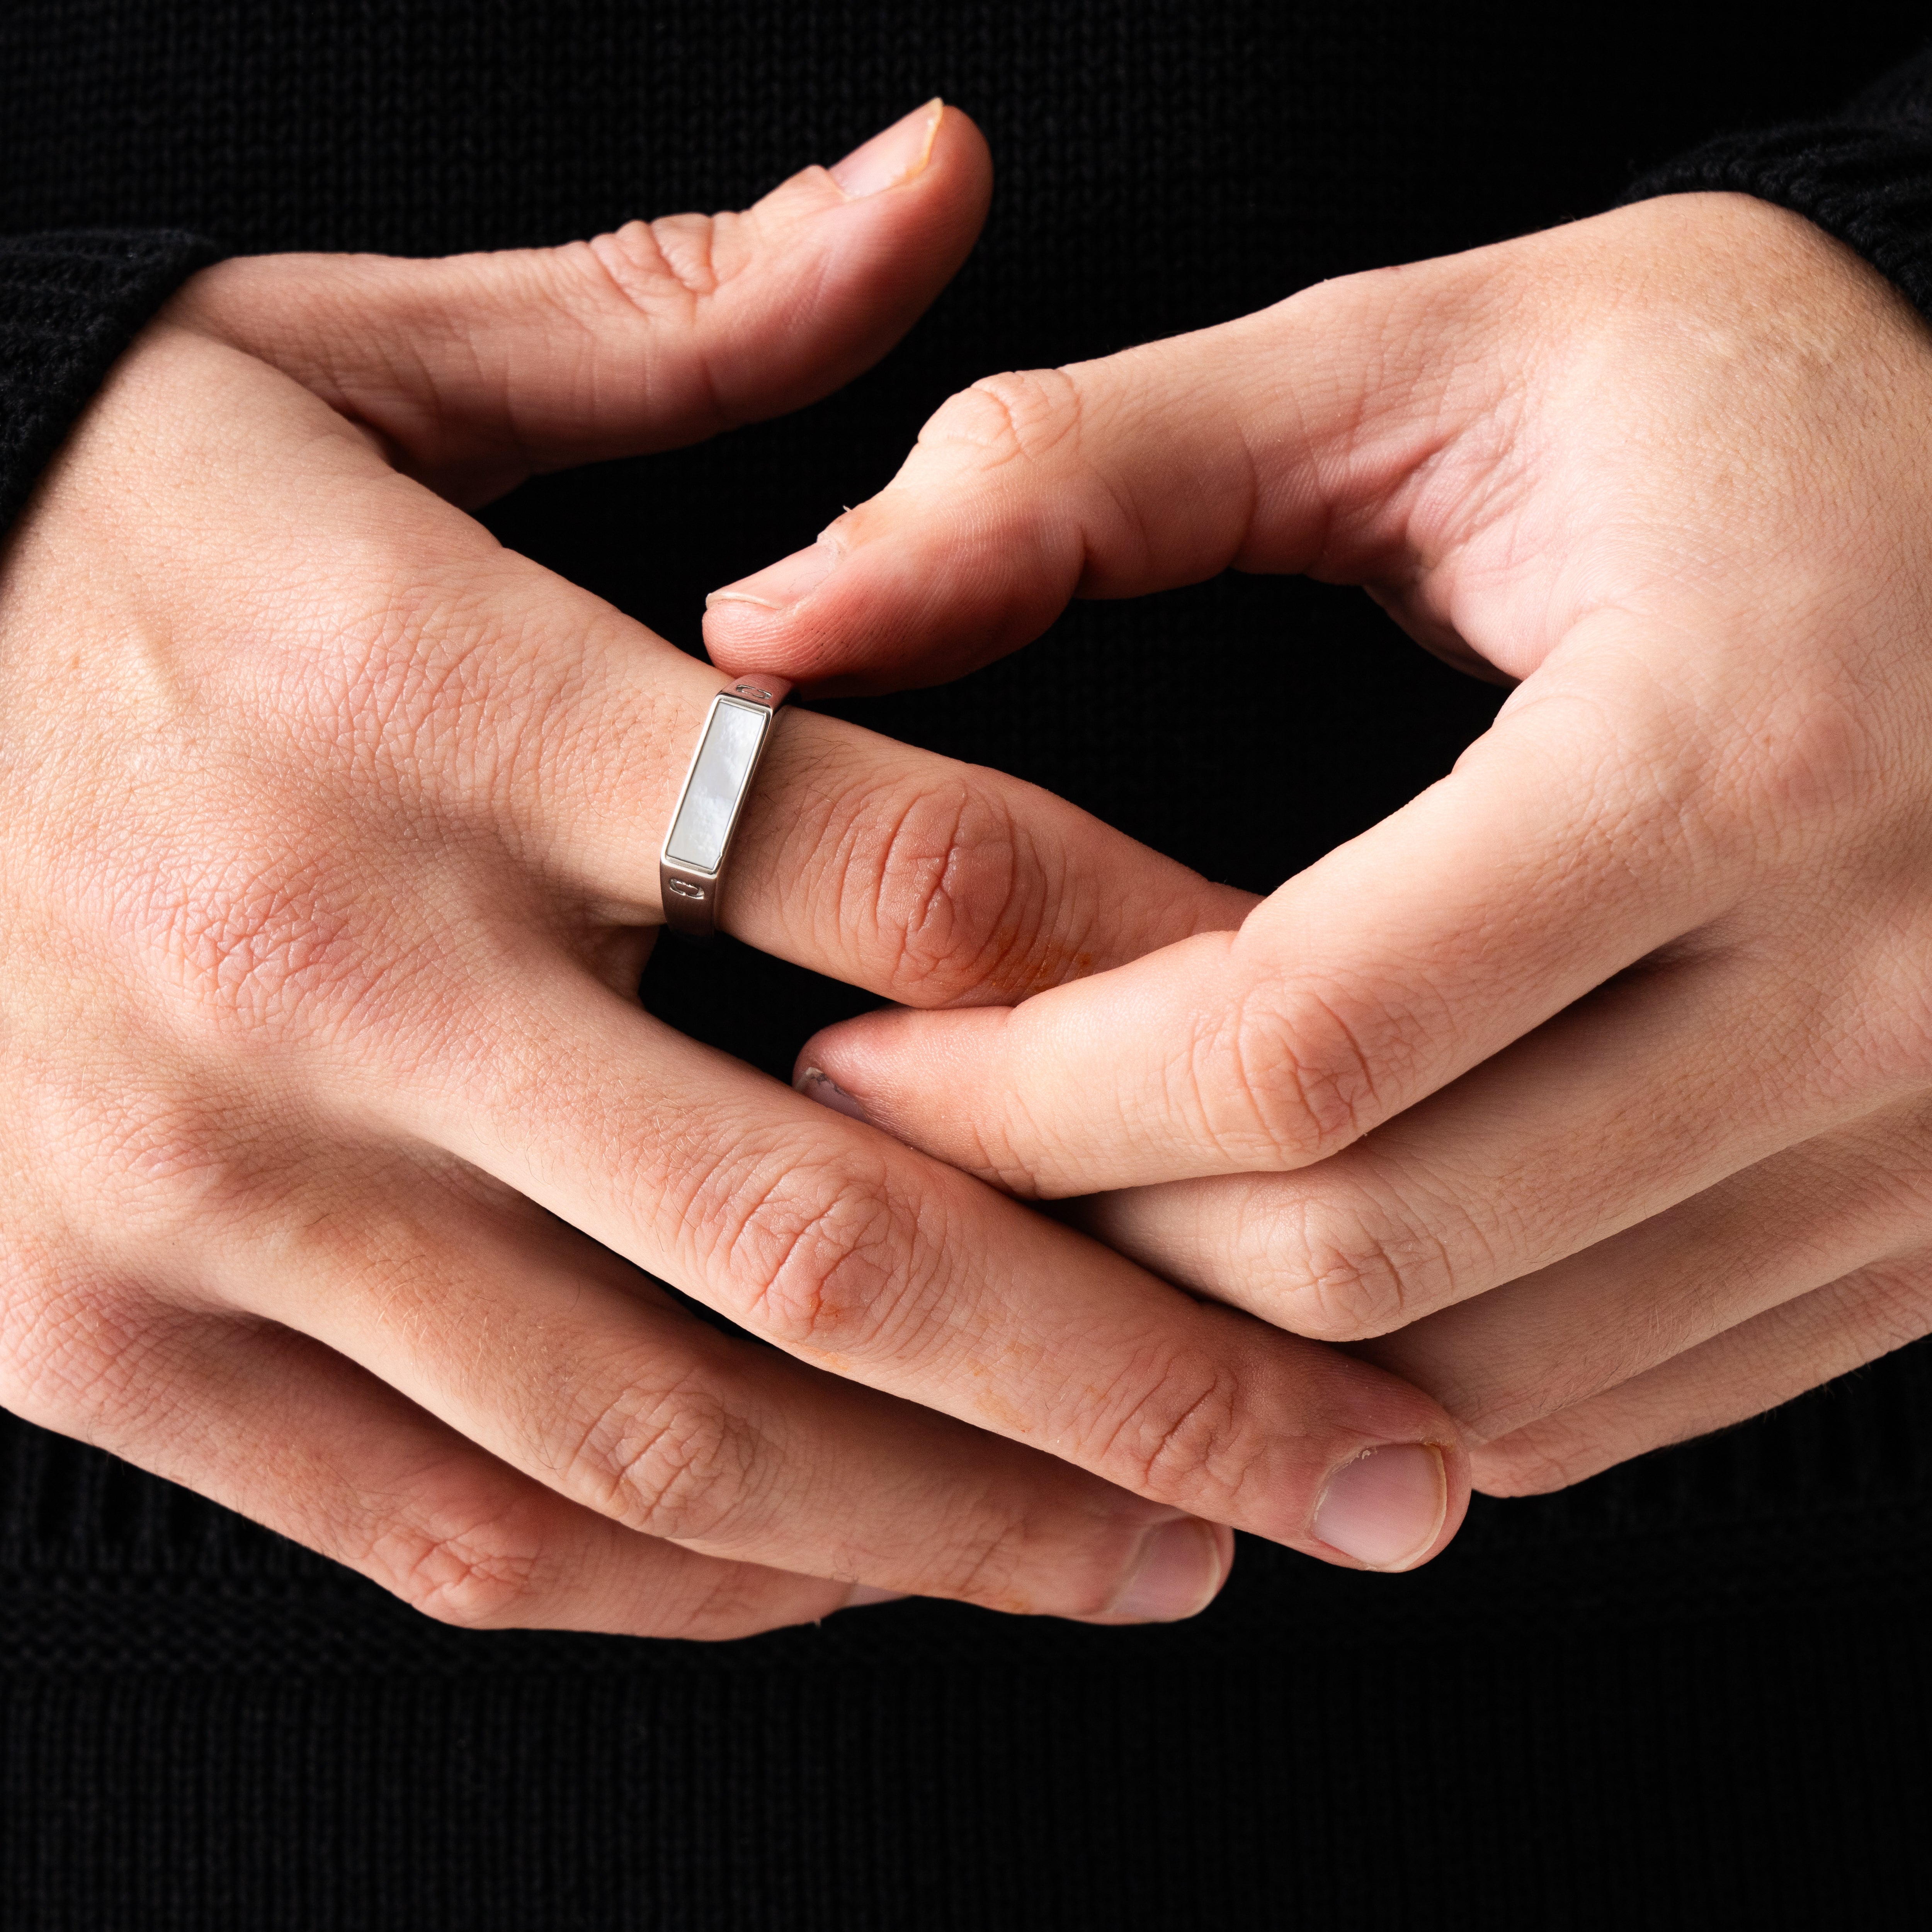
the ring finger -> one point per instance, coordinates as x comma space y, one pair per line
1645, 1095
920, 877
1858, 1197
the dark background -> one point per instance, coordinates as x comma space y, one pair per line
1691, 1693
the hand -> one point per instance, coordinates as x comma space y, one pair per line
1597, 1081
329, 870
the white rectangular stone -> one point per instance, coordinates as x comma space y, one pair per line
717, 782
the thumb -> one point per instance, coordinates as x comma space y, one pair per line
478, 370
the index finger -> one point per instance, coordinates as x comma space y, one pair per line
1277, 443
1571, 842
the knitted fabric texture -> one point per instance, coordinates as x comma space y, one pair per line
1865, 176
69, 304
1690, 1692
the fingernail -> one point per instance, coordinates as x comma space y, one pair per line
893, 157
1386, 1507
815, 1085
1179, 1572
783, 582
863, 1594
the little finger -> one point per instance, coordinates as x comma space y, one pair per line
1779, 1354
558, 1358
275, 1426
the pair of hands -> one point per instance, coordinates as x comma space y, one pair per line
338, 1140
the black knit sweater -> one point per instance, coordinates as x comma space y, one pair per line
1692, 1692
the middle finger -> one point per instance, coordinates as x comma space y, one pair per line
1812, 1215
1646, 1094
887, 1267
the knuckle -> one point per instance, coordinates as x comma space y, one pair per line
477, 1575
1184, 1435
1023, 416
687, 249
1288, 1075
668, 272
292, 929
682, 1466
663, 266
957, 897
980, 1564
1023, 1568
1349, 1294
837, 1265
1346, 1268
1804, 751
283, 925
1027, 1563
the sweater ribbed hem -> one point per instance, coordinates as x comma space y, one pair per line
69, 304
1864, 176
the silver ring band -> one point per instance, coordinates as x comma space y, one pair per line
690, 867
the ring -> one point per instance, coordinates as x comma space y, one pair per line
690, 867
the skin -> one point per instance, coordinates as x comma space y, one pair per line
338, 1144
1593, 1089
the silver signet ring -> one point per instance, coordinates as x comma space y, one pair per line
690, 867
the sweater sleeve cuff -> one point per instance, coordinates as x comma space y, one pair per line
1869, 185
1864, 175
69, 304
